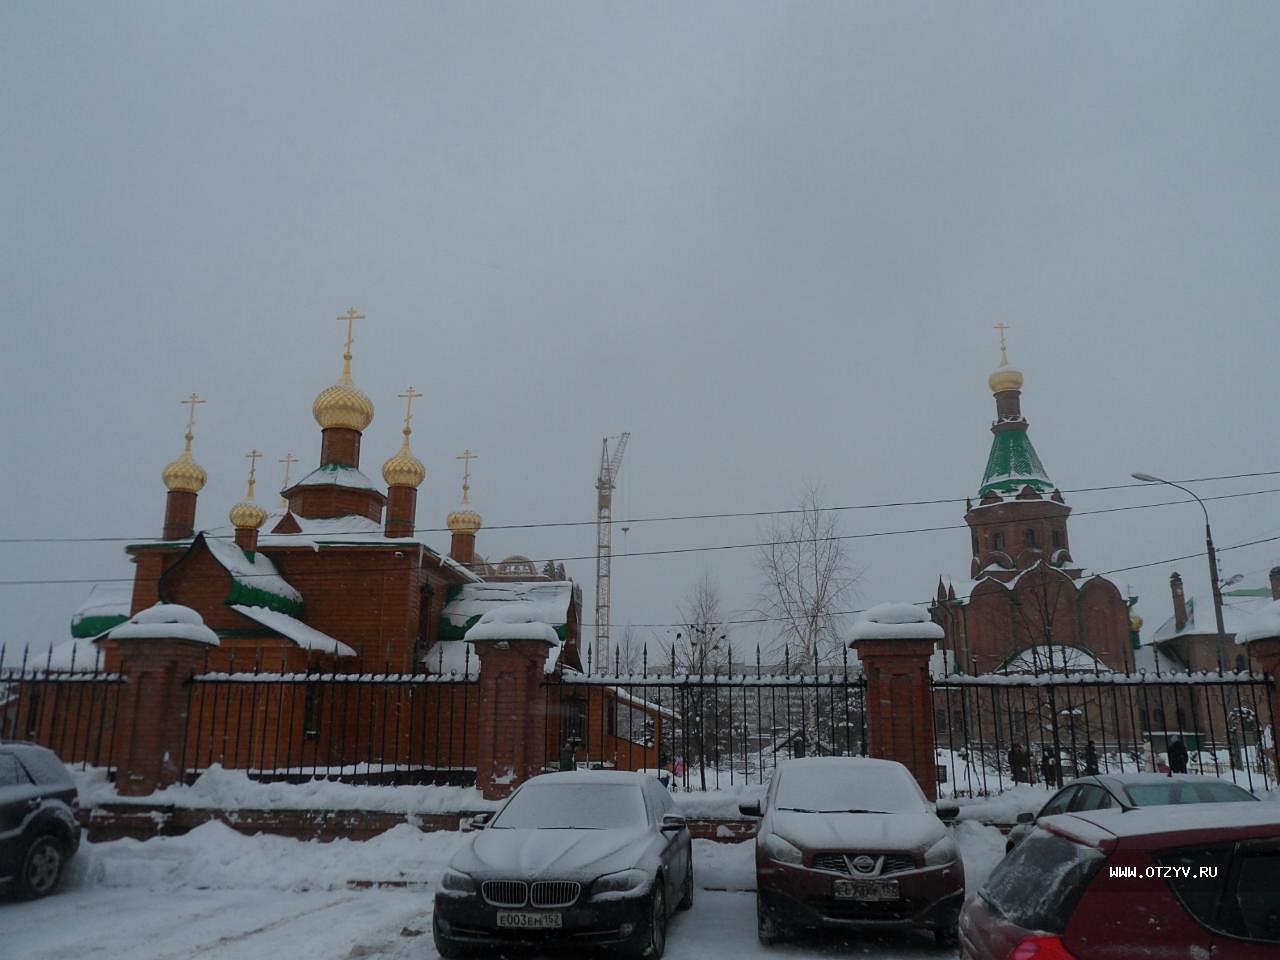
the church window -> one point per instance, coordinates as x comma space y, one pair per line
1057, 538
1029, 537
997, 541
1241, 665
975, 544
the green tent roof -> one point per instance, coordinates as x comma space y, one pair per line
1013, 464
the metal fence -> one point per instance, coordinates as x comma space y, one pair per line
996, 731
710, 730
70, 711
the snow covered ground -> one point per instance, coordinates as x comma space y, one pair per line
215, 894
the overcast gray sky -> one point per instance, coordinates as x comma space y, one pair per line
770, 240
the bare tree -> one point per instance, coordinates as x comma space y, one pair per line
808, 578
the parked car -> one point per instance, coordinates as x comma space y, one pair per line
39, 831
1111, 885
852, 842
1129, 791
588, 858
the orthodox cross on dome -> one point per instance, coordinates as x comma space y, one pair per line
351, 316
191, 415
1002, 327
288, 460
253, 457
466, 458
408, 396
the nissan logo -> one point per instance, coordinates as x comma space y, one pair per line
864, 864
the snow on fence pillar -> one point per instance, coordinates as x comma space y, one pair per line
159, 649
513, 658
894, 642
1261, 636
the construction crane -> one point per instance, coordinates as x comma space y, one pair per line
605, 484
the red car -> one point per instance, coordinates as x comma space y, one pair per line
852, 842
1197, 882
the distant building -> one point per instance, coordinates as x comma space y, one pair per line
1027, 606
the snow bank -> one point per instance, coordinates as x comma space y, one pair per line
221, 789
213, 856
717, 804
981, 848
724, 866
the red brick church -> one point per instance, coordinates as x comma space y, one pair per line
1027, 606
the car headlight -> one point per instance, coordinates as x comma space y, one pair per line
624, 883
455, 881
775, 848
944, 851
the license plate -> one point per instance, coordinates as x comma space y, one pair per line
866, 890
530, 920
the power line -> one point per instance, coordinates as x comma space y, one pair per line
693, 516
712, 548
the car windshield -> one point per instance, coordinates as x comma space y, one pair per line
852, 789
1181, 791
572, 806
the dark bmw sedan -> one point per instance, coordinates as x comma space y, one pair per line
588, 859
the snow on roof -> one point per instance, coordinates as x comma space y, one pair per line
165, 621
625, 697
305, 636
521, 630
1160, 659
1174, 819
338, 475
964, 588
542, 601
458, 657
1056, 658
1237, 615
107, 605
896, 621
256, 581
1264, 622
589, 776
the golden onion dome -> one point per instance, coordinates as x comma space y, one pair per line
184, 475
248, 515
1006, 378
465, 521
342, 405
404, 469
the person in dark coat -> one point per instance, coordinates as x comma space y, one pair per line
1048, 769
1019, 764
1177, 756
1090, 759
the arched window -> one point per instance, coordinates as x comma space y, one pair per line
975, 544
1028, 537
1057, 538
997, 541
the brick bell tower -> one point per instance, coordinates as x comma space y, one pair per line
1020, 517
337, 488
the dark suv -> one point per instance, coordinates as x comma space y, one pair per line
38, 827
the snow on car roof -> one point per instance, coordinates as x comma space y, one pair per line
589, 776
868, 763
1261, 818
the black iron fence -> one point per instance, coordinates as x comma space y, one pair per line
996, 731
72, 710
709, 730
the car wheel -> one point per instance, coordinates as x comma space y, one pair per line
768, 929
653, 941
686, 901
41, 867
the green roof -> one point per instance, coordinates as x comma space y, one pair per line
1013, 464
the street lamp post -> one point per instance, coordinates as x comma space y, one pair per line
1213, 559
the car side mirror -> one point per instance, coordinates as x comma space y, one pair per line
673, 822
1026, 817
751, 809
480, 821
947, 811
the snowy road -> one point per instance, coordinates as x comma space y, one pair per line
217, 895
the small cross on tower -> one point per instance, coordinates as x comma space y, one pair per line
191, 414
466, 458
1002, 327
288, 460
253, 456
408, 396
351, 317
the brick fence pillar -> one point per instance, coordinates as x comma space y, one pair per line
1263, 642
894, 642
511, 713
159, 650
